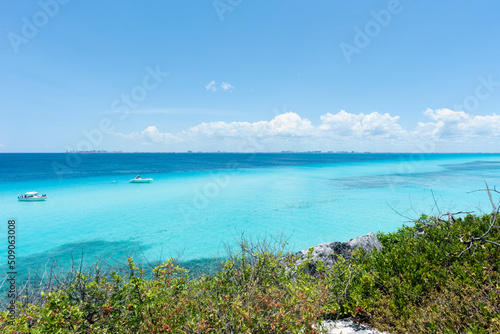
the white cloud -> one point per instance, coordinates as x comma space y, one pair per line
151, 134
288, 124
341, 131
458, 125
226, 86
344, 124
211, 86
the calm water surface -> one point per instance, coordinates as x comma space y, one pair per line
199, 202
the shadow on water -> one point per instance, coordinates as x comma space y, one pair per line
58, 267
474, 166
449, 174
72, 258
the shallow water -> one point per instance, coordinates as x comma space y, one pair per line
199, 202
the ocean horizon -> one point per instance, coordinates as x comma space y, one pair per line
201, 203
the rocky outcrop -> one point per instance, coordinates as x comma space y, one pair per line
329, 252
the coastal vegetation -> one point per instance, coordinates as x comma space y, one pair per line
434, 276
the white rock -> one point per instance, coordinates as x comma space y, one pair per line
347, 326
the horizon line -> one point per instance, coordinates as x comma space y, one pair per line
240, 152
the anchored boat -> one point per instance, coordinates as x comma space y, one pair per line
139, 179
32, 196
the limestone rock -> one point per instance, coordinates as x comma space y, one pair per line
347, 326
328, 252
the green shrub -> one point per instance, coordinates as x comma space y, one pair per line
422, 281
421, 284
261, 294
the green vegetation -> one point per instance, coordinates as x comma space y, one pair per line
422, 281
427, 284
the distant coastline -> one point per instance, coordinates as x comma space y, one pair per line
237, 152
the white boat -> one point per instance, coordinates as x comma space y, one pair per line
32, 196
139, 179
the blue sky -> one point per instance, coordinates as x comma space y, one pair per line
241, 75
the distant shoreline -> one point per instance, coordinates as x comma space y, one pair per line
282, 152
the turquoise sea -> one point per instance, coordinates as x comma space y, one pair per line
200, 202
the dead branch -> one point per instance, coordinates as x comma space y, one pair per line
399, 213
473, 242
450, 215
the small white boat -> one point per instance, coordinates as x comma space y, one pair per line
139, 179
32, 196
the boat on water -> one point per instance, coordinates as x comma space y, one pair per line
139, 179
32, 196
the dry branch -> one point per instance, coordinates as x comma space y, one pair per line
476, 241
